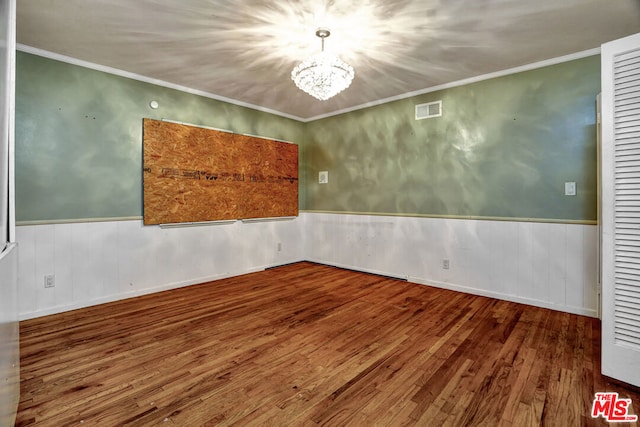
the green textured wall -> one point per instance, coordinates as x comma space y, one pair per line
79, 137
503, 148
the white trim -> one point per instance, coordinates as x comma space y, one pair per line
78, 220
121, 296
225, 130
11, 92
416, 280
506, 297
195, 125
363, 270
127, 74
270, 139
157, 82
469, 290
263, 268
268, 219
312, 211
460, 217
152, 290
197, 224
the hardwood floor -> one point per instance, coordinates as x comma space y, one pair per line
306, 344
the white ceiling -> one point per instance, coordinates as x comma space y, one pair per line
245, 50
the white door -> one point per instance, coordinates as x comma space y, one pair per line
620, 222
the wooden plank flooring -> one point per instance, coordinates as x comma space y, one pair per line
306, 344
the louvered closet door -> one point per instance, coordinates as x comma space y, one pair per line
621, 209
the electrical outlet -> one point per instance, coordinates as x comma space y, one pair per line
49, 281
445, 264
279, 246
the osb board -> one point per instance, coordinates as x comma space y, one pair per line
194, 174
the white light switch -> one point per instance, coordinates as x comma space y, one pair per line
323, 177
569, 188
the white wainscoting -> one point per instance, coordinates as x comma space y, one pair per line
542, 264
96, 262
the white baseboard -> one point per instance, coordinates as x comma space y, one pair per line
120, 296
470, 290
416, 280
512, 298
146, 291
363, 270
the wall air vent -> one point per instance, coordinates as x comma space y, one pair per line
429, 110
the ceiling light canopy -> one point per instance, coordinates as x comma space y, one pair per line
322, 75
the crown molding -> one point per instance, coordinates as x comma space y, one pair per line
134, 76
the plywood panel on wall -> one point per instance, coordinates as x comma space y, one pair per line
194, 174
271, 189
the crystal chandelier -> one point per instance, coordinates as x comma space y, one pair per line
322, 75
